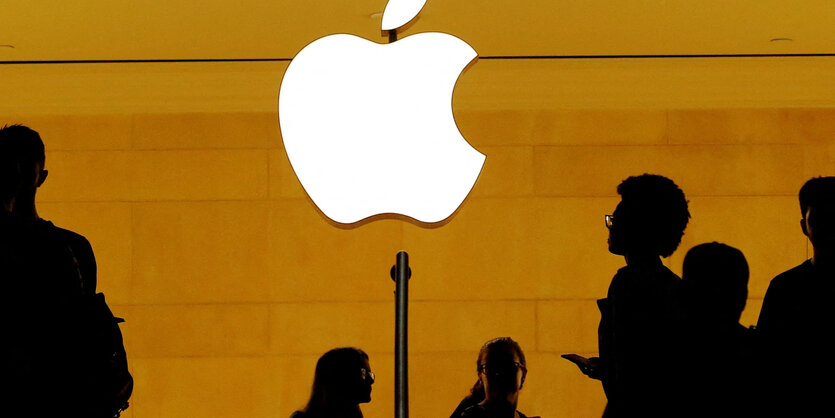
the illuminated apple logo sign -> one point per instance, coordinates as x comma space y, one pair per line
369, 129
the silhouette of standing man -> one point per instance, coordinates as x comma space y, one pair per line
27, 149
796, 320
640, 314
718, 361
40, 283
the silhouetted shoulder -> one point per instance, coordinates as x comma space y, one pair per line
792, 277
631, 280
298, 414
785, 290
83, 252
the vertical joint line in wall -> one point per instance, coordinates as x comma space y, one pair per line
132, 243
536, 326
269, 177
268, 326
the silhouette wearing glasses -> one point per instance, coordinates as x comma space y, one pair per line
796, 320
718, 353
641, 313
342, 381
501, 369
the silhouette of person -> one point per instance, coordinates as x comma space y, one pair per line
64, 345
796, 320
718, 353
40, 283
342, 381
641, 312
27, 148
501, 369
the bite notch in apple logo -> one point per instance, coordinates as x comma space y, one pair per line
369, 129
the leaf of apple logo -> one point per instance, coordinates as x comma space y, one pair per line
369, 129
400, 12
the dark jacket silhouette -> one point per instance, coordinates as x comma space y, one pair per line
640, 314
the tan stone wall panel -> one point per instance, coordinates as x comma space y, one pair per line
507, 171
698, 170
200, 252
63, 132
88, 176
199, 175
751, 126
466, 325
211, 387
563, 127
567, 326
312, 260
311, 328
211, 330
283, 181
205, 131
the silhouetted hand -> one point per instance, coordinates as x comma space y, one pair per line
594, 369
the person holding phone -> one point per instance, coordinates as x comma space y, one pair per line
641, 313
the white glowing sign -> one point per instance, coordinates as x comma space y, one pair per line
369, 129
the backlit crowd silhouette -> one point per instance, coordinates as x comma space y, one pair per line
668, 346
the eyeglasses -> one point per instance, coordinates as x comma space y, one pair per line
499, 368
610, 220
367, 374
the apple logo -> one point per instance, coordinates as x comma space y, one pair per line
368, 128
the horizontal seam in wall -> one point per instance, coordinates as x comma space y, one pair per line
354, 302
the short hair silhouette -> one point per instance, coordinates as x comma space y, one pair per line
817, 192
9, 176
658, 208
715, 279
24, 142
337, 371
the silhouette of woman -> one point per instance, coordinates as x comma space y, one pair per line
501, 369
342, 381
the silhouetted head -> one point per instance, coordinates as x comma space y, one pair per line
817, 206
24, 145
650, 218
9, 181
714, 281
342, 381
501, 368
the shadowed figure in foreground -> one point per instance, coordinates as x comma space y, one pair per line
27, 148
797, 318
717, 353
342, 381
39, 285
72, 358
641, 313
501, 369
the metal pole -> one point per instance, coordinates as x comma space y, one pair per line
401, 274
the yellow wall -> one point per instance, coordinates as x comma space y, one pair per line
232, 284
